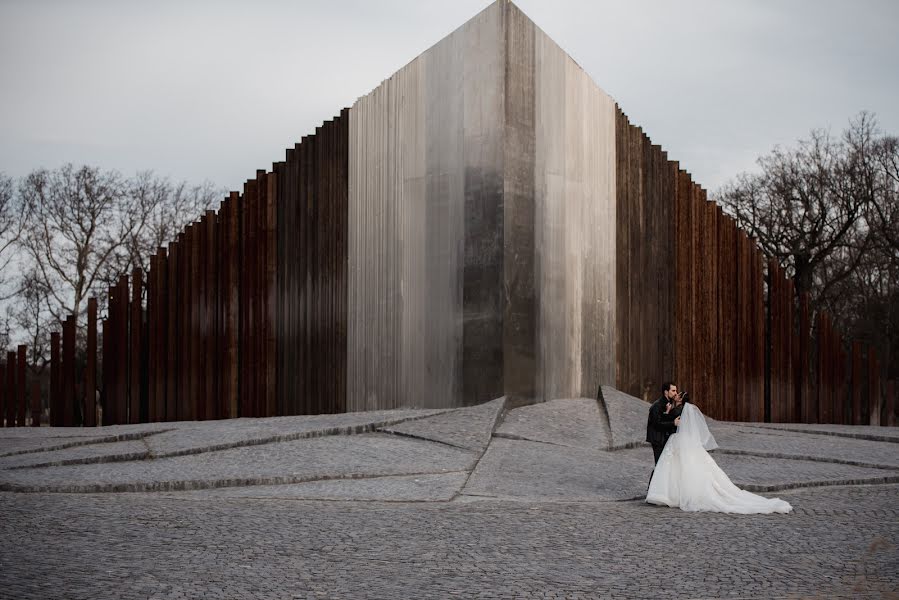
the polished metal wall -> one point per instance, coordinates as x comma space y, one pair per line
481, 224
425, 227
574, 243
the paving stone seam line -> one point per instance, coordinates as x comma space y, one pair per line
142, 435
497, 419
202, 484
871, 437
519, 438
778, 487
618, 504
370, 427
823, 459
604, 414
390, 431
109, 439
87, 460
150, 455
540, 501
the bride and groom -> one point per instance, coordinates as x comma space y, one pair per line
685, 475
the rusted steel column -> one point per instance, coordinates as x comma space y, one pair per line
271, 292
161, 333
153, 350
90, 373
305, 402
324, 232
211, 367
343, 253
36, 404
200, 303
231, 308
773, 374
10, 389
105, 416
21, 365
244, 358
121, 350
249, 358
802, 379
109, 360
188, 406
68, 372
727, 315
874, 393
174, 333
251, 371
790, 413
135, 353
682, 302
2, 393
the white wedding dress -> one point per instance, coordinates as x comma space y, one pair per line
688, 477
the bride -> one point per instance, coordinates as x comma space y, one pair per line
688, 477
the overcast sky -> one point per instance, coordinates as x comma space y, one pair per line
213, 90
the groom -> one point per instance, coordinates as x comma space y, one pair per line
662, 422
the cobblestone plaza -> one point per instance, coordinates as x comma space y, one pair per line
540, 501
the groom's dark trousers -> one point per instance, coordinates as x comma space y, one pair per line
658, 427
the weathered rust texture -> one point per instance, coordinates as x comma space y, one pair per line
120, 341
803, 383
300, 221
231, 305
35, 403
651, 225
135, 350
3, 393
10, 394
21, 395
174, 332
106, 365
270, 294
68, 372
154, 353
90, 368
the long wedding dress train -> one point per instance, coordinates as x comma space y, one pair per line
688, 477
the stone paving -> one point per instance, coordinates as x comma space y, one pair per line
541, 501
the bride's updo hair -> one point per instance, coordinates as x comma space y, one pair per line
685, 397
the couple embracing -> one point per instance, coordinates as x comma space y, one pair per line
685, 475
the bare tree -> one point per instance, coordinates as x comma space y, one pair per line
12, 222
87, 227
77, 219
803, 211
828, 211
162, 210
34, 323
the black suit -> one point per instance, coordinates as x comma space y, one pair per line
659, 426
